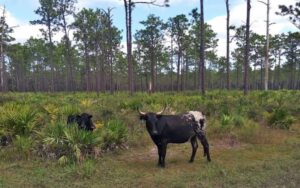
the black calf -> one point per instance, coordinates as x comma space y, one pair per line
84, 121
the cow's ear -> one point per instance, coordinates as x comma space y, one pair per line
143, 117
78, 116
90, 116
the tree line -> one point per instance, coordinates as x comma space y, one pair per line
166, 55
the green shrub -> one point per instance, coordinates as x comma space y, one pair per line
248, 132
238, 120
23, 145
114, 133
88, 169
254, 112
18, 119
81, 142
60, 140
280, 118
53, 142
226, 120
67, 110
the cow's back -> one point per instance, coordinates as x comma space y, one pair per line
176, 129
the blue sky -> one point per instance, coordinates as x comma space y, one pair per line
23, 10
20, 12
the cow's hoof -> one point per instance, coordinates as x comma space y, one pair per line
160, 165
191, 161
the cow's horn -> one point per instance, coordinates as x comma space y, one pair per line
159, 113
141, 113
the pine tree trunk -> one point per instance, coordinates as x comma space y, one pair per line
266, 79
227, 46
178, 69
202, 58
247, 47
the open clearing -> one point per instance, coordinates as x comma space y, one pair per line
275, 163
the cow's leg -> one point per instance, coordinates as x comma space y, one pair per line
201, 136
163, 154
194, 148
159, 149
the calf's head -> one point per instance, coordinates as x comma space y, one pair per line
84, 121
152, 119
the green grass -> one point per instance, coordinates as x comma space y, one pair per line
243, 165
245, 151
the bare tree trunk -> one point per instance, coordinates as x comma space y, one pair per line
178, 69
153, 72
195, 78
182, 74
298, 78
237, 78
227, 46
172, 54
266, 79
87, 70
128, 10
202, 62
185, 86
261, 75
1, 65
247, 46
3, 78
69, 72
51, 59
110, 50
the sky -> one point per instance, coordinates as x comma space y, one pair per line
20, 12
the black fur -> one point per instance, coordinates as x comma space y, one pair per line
84, 121
164, 129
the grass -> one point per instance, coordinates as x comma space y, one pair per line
270, 164
246, 151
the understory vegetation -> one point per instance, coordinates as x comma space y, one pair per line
256, 128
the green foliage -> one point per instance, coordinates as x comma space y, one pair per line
67, 110
42, 118
238, 120
114, 133
248, 132
70, 141
84, 170
280, 119
18, 119
23, 145
88, 168
226, 120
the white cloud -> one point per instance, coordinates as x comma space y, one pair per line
238, 16
257, 19
90, 3
22, 30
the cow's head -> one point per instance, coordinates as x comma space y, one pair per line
151, 119
84, 121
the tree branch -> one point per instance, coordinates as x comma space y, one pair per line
153, 2
263, 2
